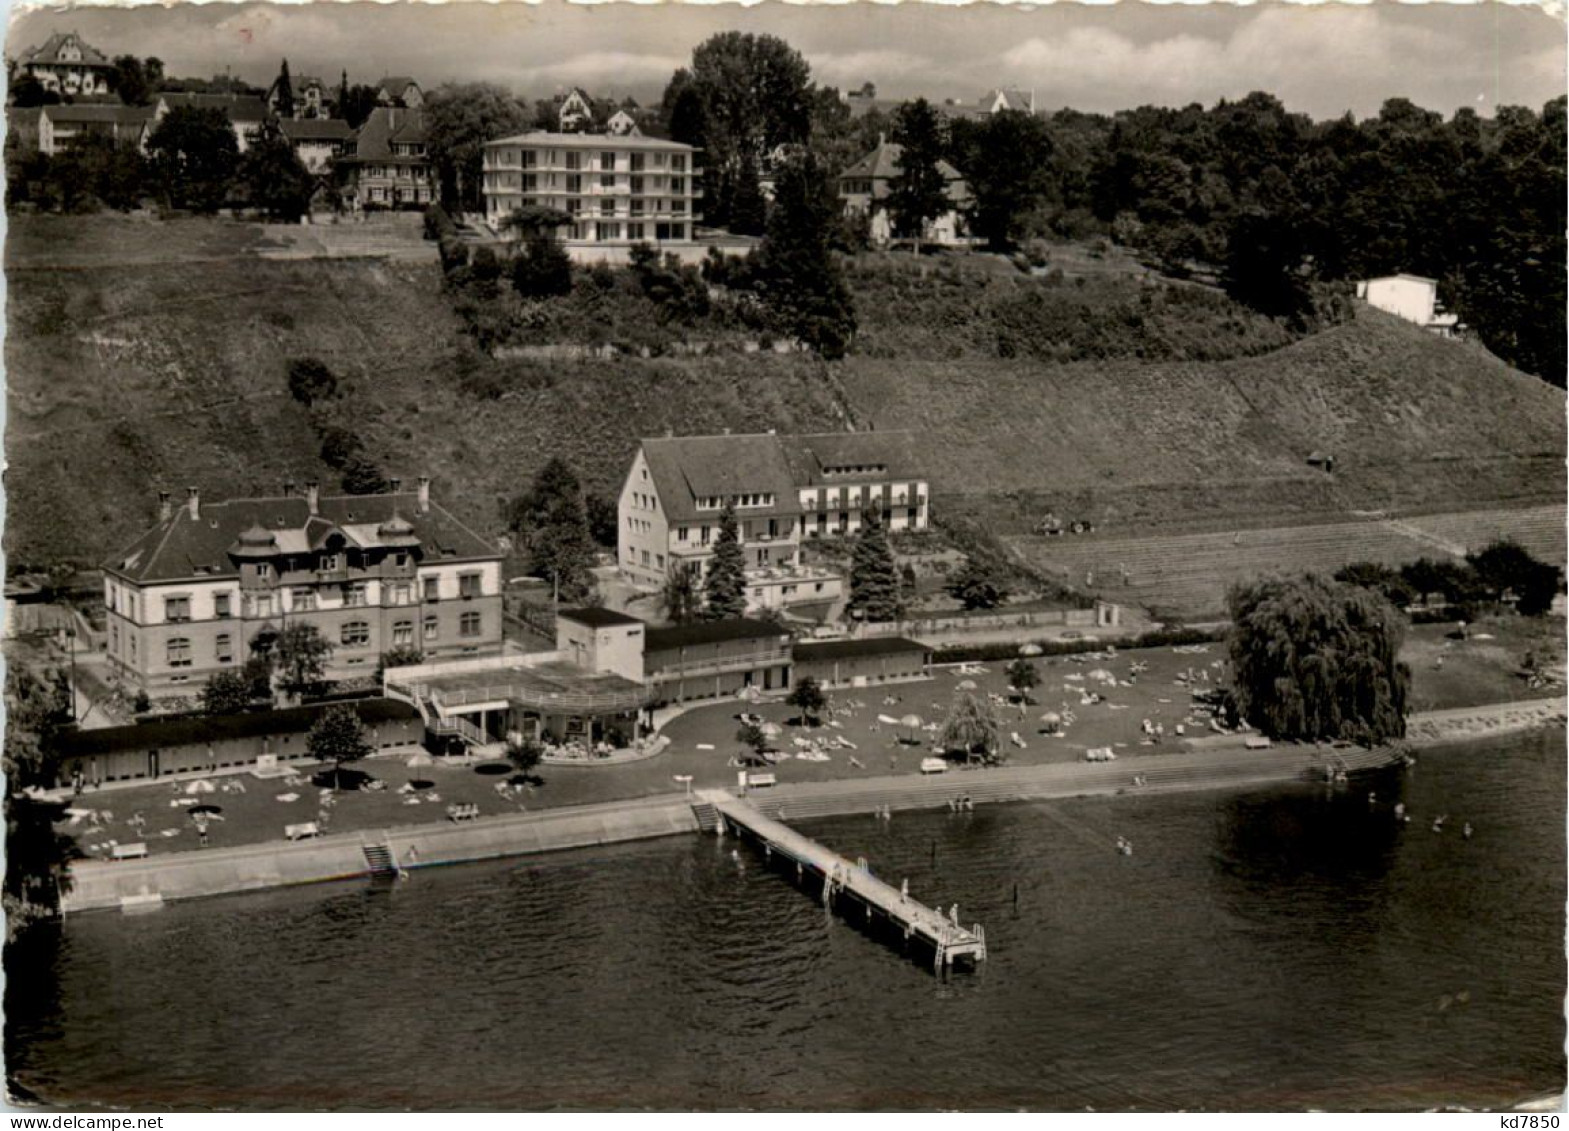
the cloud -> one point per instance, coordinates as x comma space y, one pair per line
1322, 59
852, 68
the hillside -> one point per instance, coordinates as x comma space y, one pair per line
143, 356
1413, 422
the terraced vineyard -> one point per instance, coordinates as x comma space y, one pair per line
1187, 575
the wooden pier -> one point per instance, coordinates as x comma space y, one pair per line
851, 883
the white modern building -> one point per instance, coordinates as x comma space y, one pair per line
1411, 297
619, 191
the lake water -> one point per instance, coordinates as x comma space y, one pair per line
1277, 948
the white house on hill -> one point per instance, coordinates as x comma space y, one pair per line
1411, 297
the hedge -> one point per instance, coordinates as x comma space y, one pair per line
1002, 650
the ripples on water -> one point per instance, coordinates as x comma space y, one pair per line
1275, 949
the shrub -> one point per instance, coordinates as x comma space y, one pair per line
310, 380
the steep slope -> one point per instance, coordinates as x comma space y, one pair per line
143, 356
1412, 422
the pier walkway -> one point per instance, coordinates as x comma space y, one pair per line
851, 882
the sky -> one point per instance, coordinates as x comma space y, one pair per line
1322, 59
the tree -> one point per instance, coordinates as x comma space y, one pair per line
275, 179
798, 277
355, 103
28, 93
541, 268
808, 698
970, 729
459, 119
1008, 171
724, 590
1315, 659
918, 193
400, 656
226, 693
283, 106
301, 654
129, 80
310, 380
337, 736
751, 736
977, 585
1504, 566
874, 579
604, 523
748, 208
1023, 677
1381, 579
553, 526
38, 853
525, 753
744, 96
683, 594
194, 156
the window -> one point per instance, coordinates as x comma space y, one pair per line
331, 561
468, 624
636, 160
354, 594
432, 589
264, 605
607, 231
637, 185
645, 557
402, 632
574, 182
681, 533
176, 609
659, 561
223, 648
179, 652
263, 570
678, 162
607, 160
400, 559
114, 637
468, 585
703, 535
607, 180
304, 599
355, 634
607, 208
401, 593
678, 185
574, 161
432, 627
637, 210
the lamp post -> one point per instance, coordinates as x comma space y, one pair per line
71, 633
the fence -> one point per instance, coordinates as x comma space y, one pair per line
986, 622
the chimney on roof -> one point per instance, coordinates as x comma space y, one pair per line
288, 488
312, 494
727, 431
394, 485
193, 502
424, 494
165, 507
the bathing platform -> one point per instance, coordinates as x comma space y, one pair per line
846, 884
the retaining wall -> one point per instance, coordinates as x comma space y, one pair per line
187, 875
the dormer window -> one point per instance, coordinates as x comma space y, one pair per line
331, 561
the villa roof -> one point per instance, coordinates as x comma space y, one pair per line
181, 547
386, 126
832, 457
395, 85
49, 51
882, 164
709, 632
316, 129
239, 107
687, 468
99, 112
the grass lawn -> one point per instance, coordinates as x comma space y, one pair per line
1479, 670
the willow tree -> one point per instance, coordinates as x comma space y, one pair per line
970, 729
1316, 659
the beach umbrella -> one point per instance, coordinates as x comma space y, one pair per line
966, 685
771, 730
204, 810
1030, 650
